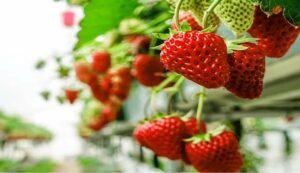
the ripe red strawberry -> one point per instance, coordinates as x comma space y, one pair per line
198, 56
85, 73
121, 82
148, 70
275, 34
108, 114
98, 123
99, 93
219, 154
117, 82
71, 95
163, 136
193, 128
189, 18
140, 43
247, 69
101, 61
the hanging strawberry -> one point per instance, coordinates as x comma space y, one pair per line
164, 136
237, 15
247, 69
198, 56
214, 152
275, 35
148, 70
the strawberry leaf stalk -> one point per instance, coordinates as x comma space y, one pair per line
207, 12
198, 10
200, 105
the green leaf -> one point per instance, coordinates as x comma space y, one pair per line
291, 9
63, 71
185, 27
45, 95
156, 47
40, 64
161, 36
61, 99
102, 16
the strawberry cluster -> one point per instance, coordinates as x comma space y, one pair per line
208, 60
111, 85
108, 86
202, 57
206, 152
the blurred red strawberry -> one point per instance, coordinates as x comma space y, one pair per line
140, 43
148, 70
71, 95
85, 73
101, 61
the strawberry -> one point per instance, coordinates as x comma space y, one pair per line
108, 114
189, 18
198, 12
99, 93
97, 123
218, 154
193, 128
117, 82
237, 15
148, 70
101, 61
247, 69
163, 136
185, 5
85, 73
140, 43
71, 95
275, 35
198, 56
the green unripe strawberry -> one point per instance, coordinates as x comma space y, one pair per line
198, 10
185, 5
237, 15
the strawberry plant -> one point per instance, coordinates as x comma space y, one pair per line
159, 46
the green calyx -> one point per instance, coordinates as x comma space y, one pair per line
206, 137
233, 45
157, 116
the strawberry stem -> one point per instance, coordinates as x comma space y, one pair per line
207, 12
179, 82
152, 44
177, 10
164, 83
152, 101
200, 105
